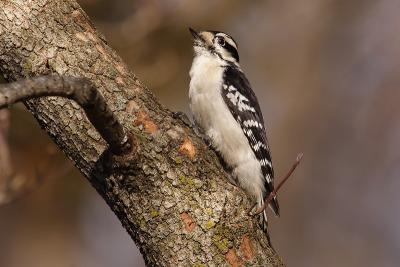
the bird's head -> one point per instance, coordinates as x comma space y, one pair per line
215, 43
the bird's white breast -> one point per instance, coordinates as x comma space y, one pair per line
213, 116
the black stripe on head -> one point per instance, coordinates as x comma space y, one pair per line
232, 50
230, 46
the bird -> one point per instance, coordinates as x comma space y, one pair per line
226, 109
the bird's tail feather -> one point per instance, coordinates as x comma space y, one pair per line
263, 220
274, 206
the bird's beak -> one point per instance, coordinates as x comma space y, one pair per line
195, 34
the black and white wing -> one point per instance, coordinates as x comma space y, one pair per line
243, 105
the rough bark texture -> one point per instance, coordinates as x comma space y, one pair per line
171, 193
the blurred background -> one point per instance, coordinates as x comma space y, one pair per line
326, 75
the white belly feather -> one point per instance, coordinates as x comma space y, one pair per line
214, 117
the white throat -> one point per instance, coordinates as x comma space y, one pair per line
204, 63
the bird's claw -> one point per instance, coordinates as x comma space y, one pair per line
183, 117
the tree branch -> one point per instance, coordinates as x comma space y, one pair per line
81, 91
171, 195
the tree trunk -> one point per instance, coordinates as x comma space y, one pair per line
170, 193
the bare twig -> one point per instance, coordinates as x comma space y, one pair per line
285, 178
81, 91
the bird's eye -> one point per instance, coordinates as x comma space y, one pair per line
221, 41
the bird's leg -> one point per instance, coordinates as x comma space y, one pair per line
182, 116
203, 136
200, 133
250, 210
273, 193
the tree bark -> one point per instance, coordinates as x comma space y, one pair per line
170, 193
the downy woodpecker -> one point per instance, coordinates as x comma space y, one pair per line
225, 107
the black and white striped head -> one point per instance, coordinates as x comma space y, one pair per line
215, 43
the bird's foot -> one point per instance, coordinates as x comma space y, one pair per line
182, 117
253, 211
